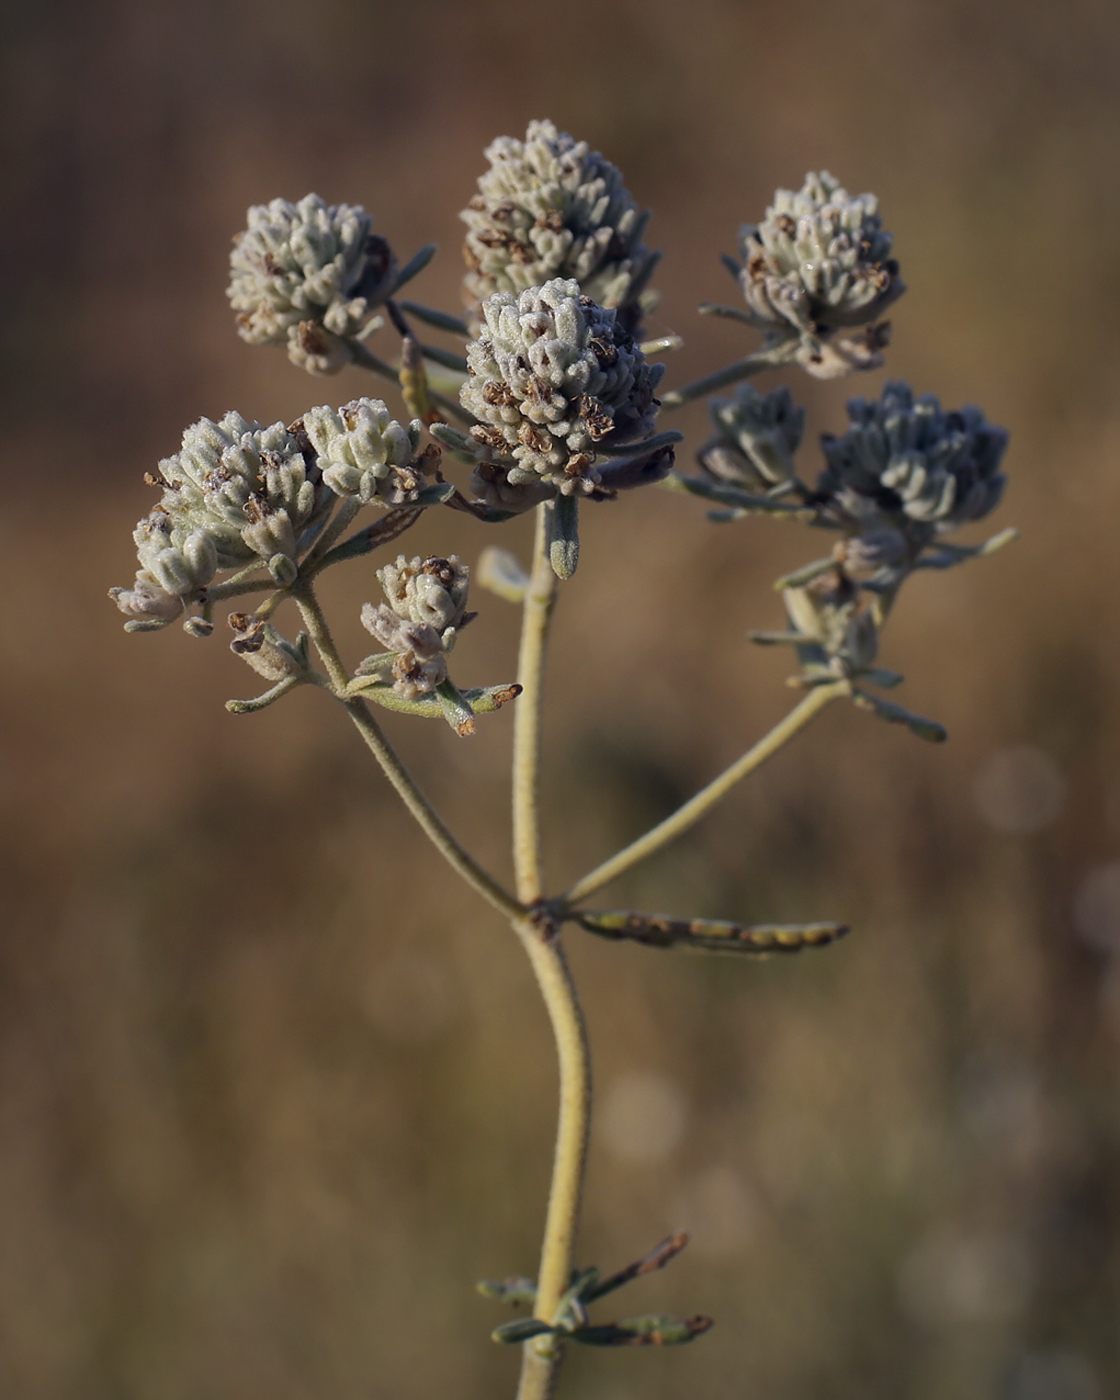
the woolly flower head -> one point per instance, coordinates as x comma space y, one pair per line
427, 602
755, 439
906, 463
550, 207
237, 491
308, 275
363, 452
820, 261
552, 377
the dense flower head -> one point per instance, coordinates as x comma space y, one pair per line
551, 207
363, 452
552, 377
418, 625
237, 492
755, 439
908, 465
308, 275
821, 261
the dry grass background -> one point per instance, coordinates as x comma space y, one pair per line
275, 1091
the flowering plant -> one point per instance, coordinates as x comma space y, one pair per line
551, 400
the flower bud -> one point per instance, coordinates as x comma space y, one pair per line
264, 649
756, 438
147, 601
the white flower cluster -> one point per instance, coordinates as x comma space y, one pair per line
552, 377
237, 491
906, 464
234, 491
819, 262
363, 452
419, 624
308, 275
550, 207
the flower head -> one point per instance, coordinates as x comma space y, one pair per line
755, 440
418, 626
308, 275
237, 492
363, 452
551, 207
906, 465
553, 379
818, 263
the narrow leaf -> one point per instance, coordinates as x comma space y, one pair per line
440, 319
521, 1329
927, 729
711, 935
456, 711
657, 1258
732, 313
461, 444
663, 342
515, 1289
738, 498
563, 545
393, 523
415, 265
806, 574
481, 702
262, 702
669, 438
658, 1330
773, 639
500, 571
447, 358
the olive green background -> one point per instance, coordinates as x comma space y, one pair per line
275, 1090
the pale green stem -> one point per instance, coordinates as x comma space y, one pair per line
541, 1358
432, 823
540, 597
707, 797
428, 818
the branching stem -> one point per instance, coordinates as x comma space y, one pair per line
429, 819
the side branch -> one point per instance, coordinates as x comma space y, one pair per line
707, 797
433, 824
429, 819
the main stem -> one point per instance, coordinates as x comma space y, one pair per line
540, 598
540, 937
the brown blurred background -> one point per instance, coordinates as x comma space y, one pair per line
276, 1091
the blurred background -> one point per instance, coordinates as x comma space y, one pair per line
276, 1090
